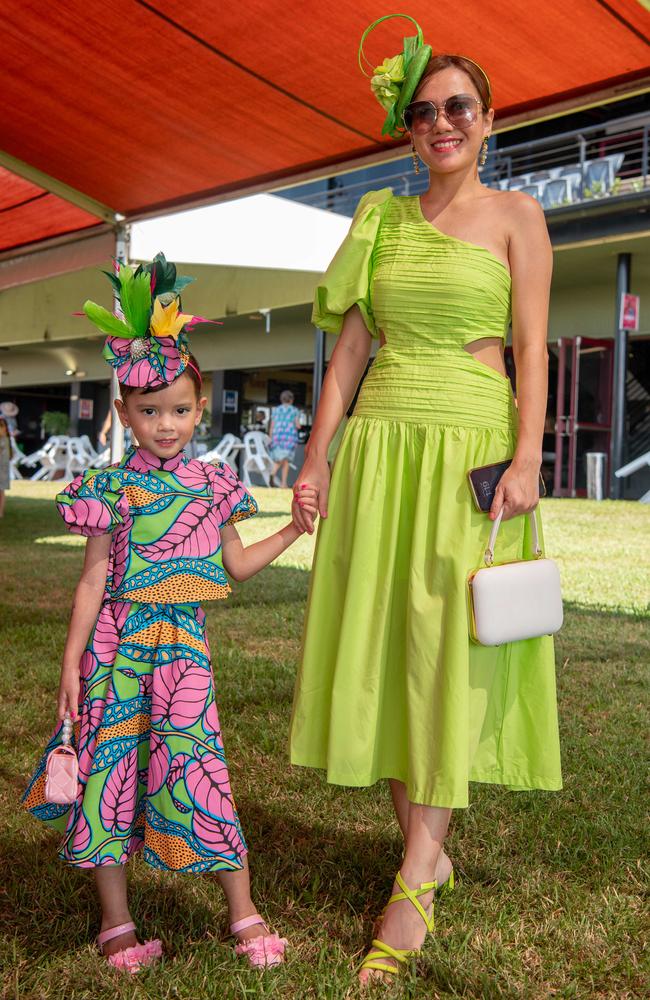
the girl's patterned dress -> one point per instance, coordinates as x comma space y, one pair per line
152, 769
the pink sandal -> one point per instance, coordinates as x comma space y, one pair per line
129, 959
263, 951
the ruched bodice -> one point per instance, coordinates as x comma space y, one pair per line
418, 286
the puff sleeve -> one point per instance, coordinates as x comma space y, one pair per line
93, 503
347, 280
231, 497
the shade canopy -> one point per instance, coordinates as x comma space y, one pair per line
135, 108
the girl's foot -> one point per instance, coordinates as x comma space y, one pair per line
122, 950
255, 941
402, 927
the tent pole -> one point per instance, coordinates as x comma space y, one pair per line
117, 431
620, 377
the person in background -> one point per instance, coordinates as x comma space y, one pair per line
5, 456
285, 421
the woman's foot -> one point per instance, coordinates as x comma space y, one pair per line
401, 926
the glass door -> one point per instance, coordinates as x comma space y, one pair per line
583, 420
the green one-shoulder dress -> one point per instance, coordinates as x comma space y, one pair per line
390, 684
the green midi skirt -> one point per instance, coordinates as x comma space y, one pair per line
390, 684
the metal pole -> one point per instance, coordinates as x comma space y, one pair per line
117, 431
319, 368
620, 378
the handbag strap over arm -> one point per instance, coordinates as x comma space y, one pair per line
489, 552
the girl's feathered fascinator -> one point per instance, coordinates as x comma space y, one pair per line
147, 345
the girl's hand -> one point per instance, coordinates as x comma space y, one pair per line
69, 685
305, 501
315, 474
517, 492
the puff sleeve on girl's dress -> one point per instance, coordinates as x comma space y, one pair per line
231, 497
347, 280
93, 503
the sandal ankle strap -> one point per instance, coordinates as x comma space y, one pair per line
105, 936
242, 925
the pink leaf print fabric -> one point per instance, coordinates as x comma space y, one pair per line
107, 630
192, 476
216, 836
228, 491
97, 511
120, 552
81, 836
194, 534
159, 761
208, 785
180, 690
119, 797
91, 720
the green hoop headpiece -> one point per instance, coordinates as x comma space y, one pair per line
395, 81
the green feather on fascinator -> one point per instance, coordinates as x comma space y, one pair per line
395, 81
136, 290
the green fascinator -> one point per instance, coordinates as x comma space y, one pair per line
395, 81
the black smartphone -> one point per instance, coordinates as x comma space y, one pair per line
483, 483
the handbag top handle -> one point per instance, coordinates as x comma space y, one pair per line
489, 552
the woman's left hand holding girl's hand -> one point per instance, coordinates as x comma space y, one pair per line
518, 490
305, 498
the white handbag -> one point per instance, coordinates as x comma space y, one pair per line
515, 600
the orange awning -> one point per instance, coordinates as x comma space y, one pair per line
136, 107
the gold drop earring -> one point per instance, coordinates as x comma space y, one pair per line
484, 152
416, 158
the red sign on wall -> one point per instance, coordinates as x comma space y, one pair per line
629, 314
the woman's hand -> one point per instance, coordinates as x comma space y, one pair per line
306, 501
314, 477
517, 492
69, 685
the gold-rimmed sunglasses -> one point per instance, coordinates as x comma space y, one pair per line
461, 111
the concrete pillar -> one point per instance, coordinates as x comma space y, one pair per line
75, 392
623, 267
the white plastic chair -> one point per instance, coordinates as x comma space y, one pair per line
256, 458
78, 458
53, 457
229, 445
16, 458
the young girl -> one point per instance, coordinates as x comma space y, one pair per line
140, 691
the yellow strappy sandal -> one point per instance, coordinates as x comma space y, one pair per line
380, 951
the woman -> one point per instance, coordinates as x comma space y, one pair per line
285, 421
390, 684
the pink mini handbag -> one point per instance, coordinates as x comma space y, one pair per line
62, 769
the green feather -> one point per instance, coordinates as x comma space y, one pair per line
106, 321
114, 280
135, 299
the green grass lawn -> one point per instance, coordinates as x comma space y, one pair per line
551, 901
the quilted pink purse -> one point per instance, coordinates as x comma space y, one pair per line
62, 769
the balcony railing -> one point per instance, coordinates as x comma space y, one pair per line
602, 161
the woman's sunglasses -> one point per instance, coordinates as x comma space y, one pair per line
461, 111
